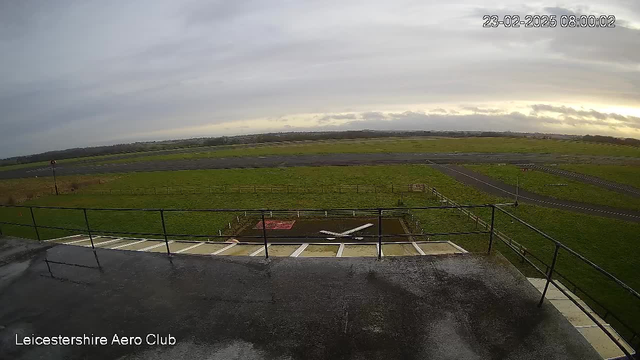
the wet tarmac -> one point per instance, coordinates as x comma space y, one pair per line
227, 307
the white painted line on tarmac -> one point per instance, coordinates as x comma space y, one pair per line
64, 237
259, 250
418, 249
299, 250
155, 246
340, 250
189, 248
107, 242
125, 245
75, 241
458, 247
223, 249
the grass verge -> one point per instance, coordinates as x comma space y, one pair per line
557, 186
610, 243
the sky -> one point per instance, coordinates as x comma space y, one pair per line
88, 73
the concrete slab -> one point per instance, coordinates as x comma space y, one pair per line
66, 239
552, 292
87, 242
399, 250
603, 343
241, 250
173, 247
222, 307
139, 245
437, 248
594, 335
282, 250
359, 250
573, 313
320, 251
116, 243
206, 249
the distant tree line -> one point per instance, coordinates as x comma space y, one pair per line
611, 140
284, 137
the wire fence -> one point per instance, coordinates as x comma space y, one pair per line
258, 188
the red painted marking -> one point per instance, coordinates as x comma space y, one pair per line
276, 224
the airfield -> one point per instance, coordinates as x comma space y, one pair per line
210, 205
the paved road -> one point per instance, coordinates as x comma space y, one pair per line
498, 188
592, 180
422, 307
314, 160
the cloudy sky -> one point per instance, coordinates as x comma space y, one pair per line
82, 73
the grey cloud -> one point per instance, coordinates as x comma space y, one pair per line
575, 116
70, 78
478, 110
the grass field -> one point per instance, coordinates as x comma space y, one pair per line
622, 174
19, 190
609, 243
436, 145
547, 184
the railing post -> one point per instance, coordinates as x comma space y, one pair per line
86, 221
493, 216
379, 234
264, 235
164, 231
35, 226
553, 265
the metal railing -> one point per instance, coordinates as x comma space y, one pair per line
550, 270
257, 188
523, 252
378, 213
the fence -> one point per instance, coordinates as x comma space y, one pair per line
632, 334
268, 188
549, 272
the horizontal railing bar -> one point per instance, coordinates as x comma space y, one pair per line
255, 210
602, 327
572, 252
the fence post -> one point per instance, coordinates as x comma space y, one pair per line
264, 235
35, 226
553, 265
164, 231
86, 221
379, 234
493, 216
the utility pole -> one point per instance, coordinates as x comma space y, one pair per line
53, 168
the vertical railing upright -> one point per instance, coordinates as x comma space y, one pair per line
164, 231
86, 221
379, 234
264, 235
35, 226
549, 274
493, 216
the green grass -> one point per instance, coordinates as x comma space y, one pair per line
543, 183
437, 145
624, 174
62, 161
610, 243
